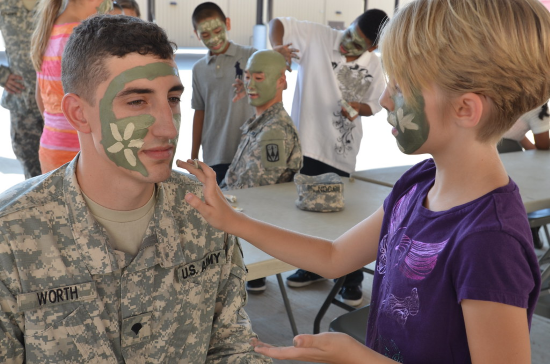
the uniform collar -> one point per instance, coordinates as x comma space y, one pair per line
258, 122
92, 241
231, 52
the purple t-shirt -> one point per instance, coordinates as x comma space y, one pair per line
429, 261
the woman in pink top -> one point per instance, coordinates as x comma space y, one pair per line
59, 142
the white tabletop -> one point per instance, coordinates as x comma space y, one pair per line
275, 204
530, 170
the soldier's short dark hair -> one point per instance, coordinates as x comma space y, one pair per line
102, 36
206, 10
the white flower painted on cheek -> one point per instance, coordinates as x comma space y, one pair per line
405, 122
126, 139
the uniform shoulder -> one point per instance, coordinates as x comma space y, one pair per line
184, 180
31, 193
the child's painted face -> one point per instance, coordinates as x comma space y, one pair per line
410, 124
213, 34
353, 43
123, 138
105, 7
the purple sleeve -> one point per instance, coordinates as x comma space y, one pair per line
493, 266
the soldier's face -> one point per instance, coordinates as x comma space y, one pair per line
138, 113
213, 34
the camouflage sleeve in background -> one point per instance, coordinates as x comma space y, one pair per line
231, 329
5, 72
269, 151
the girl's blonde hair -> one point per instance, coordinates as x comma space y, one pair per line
46, 13
496, 48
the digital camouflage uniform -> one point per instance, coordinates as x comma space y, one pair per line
16, 24
68, 297
269, 151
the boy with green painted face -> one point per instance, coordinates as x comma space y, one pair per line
269, 151
217, 119
119, 271
339, 80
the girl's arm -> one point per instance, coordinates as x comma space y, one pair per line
497, 333
351, 251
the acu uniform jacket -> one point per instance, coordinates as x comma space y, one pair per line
67, 297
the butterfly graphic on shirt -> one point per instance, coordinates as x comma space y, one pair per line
401, 256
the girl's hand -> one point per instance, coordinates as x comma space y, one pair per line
327, 347
215, 208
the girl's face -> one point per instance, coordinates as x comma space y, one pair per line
410, 122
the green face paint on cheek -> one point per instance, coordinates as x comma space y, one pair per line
352, 43
122, 138
216, 42
411, 123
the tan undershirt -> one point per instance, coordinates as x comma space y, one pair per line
29, 4
125, 229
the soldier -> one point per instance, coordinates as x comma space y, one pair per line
101, 260
269, 151
19, 82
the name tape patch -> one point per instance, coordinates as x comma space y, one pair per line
56, 296
197, 267
324, 188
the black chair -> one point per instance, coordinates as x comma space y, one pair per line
353, 323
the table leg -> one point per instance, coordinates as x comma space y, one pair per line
287, 305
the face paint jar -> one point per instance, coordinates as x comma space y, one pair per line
352, 43
213, 34
123, 138
411, 127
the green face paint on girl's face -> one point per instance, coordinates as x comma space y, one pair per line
123, 138
353, 44
411, 127
213, 34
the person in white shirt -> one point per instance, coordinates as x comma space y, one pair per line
339, 79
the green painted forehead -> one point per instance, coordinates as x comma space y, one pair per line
209, 25
271, 63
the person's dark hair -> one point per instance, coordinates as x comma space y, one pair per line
371, 23
206, 10
103, 36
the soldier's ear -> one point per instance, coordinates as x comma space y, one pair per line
228, 23
74, 109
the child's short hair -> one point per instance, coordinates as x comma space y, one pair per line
496, 48
206, 10
371, 23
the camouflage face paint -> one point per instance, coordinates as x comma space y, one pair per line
411, 123
206, 30
105, 7
353, 44
269, 63
122, 138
